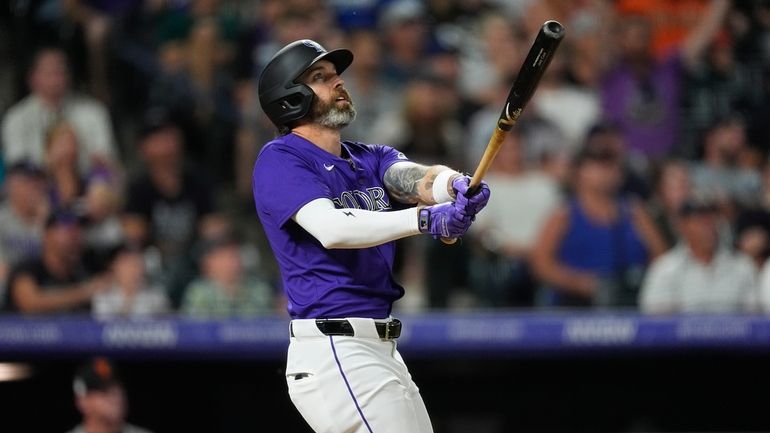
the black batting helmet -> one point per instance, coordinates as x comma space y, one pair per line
281, 97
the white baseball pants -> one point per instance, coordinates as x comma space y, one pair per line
354, 384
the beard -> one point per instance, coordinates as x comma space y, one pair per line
328, 114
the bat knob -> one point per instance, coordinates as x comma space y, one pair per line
553, 29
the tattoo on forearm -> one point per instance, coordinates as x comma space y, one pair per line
406, 183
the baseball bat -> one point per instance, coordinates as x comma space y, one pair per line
538, 59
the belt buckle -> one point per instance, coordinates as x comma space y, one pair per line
391, 325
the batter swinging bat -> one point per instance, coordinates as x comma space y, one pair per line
531, 71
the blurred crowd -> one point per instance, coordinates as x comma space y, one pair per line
637, 177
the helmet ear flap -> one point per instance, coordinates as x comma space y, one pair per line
294, 105
292, 102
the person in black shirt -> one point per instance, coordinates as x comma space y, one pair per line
56, 282
168, 206
167, 203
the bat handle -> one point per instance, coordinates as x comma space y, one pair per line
486, 160
473, 187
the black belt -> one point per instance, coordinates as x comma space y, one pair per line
389, 330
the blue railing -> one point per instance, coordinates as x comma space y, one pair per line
439, 334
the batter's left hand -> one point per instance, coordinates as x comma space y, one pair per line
473, 204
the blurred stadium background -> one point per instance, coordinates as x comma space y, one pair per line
617, 282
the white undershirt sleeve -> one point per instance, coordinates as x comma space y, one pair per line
355, 228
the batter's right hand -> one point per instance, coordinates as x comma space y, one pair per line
471, 204
445, 220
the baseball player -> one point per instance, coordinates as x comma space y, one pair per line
331, 211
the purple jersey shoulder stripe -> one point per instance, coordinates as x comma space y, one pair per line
350, 390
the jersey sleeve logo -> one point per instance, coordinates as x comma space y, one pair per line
400, 155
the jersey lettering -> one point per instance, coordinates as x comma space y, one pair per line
373, 199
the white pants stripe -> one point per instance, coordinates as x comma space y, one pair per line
352, 384
342, 373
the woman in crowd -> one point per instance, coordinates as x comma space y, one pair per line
593, 249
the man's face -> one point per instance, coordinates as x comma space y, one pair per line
332, 107
128, 269
65, 240
635, 37
223, 264
700, 230
603, 174
50, 77
729, 139
26, 192
62, 149
108, 405
163, 148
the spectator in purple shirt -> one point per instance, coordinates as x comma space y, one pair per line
642, 94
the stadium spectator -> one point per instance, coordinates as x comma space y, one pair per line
608, 136
641, 93
93, 196
101, 400
483, 70
573, 109
699, 275
716, 86
196, 89
25, 124
481, 122
593, 249
752, 226
56, 282
129, 294
168, 205
65, 185
719, 171
96, 19
672, 187
365, 82
22, 217
670, 22
425, 128
224, 290
102, 225
405, 32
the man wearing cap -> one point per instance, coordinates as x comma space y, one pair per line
100, 398
331, 211
699, 275
55, 282
22, 216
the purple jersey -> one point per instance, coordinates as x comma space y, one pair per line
323, 283
648, 112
